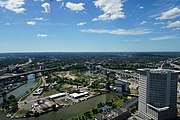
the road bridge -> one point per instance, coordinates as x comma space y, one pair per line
5, 80
122, 73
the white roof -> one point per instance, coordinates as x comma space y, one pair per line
57, 95
78, 95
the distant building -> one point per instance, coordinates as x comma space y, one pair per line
121, 86
38, 92
108, 88
157, 94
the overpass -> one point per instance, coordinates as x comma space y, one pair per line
20, 77
122, 73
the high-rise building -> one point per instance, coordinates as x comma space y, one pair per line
157, 94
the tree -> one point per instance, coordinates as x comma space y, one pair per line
36, 114
28, 114
11, 97
87, 114
95, 111
99, 105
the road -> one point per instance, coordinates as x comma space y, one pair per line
175, 66
130, 103
31, 99
30, 61
123, 73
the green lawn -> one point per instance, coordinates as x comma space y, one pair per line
118, 102
50, 92
21, 112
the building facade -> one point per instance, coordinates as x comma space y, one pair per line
157, 94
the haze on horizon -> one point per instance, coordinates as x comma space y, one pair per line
89, 26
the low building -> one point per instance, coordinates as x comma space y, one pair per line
38, 92
121, 86
55, 96
78, 95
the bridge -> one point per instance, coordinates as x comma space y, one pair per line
21, 77
122, 73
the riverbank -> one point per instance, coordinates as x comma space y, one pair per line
101, 107
69, 111
44, 106
33, 89
20, 84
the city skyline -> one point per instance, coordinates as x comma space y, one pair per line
89, 26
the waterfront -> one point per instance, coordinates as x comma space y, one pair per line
71, 111
19, 92
64, 113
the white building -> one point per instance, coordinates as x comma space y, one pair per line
59, 95
78, 95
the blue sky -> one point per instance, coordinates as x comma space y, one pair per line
89, 25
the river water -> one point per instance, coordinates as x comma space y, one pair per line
64, 113
19, 92
68, 112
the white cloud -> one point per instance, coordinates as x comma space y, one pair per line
31, 22
58, 0
40, 18
75, 7
47, 7
8, 24
170, 14
143, 22
141, 7
81, 23
173, 24
13, 5
113, 9
167, 37
119, 31
41, 35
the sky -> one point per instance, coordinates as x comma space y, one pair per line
89, 25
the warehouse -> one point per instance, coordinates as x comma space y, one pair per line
55, 96
78, 95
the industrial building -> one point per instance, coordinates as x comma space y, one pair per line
59, 95
78, 95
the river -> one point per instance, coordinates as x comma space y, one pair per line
68, 112
19, 92
64, 113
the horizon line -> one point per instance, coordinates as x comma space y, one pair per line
85, 52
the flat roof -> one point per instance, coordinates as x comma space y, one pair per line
57, 95
78, 94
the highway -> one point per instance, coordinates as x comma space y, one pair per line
26, 73
123, 73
